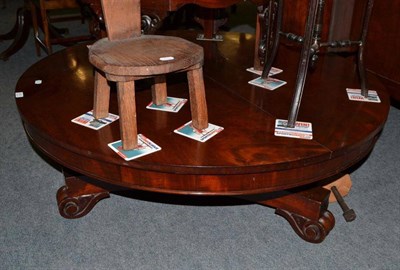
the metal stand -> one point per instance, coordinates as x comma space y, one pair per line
270, 16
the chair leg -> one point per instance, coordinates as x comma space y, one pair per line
198, 105
101, 96
46, 30
127, 114
35, 27
159, 90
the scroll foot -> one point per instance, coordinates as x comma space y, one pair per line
313, 231
77, 198
306, 211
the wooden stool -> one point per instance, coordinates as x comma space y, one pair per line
126, 56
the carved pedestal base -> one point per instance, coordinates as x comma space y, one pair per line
305, 210
77, 197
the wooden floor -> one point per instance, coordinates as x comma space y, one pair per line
246, 158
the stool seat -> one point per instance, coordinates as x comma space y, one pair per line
147, 55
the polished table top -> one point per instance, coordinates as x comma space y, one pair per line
245, 158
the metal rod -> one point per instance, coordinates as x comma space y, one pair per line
317, 32
360, 58
278, 25
266, 31
348, 214
340, 43
303, 65
292, 37
319, 21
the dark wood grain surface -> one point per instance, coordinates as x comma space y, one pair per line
245, 158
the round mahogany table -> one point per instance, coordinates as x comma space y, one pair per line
244, 160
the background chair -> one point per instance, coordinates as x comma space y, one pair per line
46, 12
127, 55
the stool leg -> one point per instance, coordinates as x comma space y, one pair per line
198, 105
127, 114
159, 90
101, 96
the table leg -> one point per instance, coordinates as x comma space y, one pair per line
305, 210
207, 18
19, 33
77, 198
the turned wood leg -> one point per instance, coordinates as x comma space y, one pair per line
101, 96
306, 211
159, 90
198, 104
207, 22
127, 114
207, 18
77, 198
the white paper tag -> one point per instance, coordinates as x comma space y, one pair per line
301, 130
19, 94
172, 105
88, 120
145, 147
38, 82
269, 84
272, 72
355, 95
203, 135
167, 58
